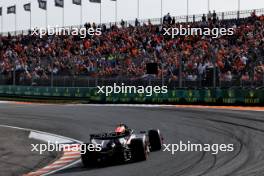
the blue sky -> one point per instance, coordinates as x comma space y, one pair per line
127, 9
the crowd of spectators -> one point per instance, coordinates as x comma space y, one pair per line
123, 51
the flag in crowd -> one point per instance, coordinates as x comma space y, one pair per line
77, 2
59, 3
11, 9
42, 4
27, 7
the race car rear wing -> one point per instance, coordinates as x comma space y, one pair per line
106, 136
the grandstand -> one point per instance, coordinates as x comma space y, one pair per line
120, 55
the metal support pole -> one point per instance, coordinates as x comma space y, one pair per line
208, 5
46, 15
187, 17
238, 9
81, 14
161, 11
30, 19
16, 23
2, 23
138, 9
63, 24
100, 13
116, 12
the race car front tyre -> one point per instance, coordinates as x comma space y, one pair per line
155, 140
139, 150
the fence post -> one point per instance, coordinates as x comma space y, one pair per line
263, 80
180, 72
162, 74
14, 76
149, 81
73, 81
51, 80
14, 71
214, 62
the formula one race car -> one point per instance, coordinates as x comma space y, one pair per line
122, 145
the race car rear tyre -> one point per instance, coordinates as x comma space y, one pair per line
139, 150
88, 158
155, 140
86, 161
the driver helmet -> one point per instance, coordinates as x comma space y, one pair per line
121, 128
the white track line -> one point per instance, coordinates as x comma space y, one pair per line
44, 137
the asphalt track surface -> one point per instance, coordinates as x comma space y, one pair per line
244, 129
16, 157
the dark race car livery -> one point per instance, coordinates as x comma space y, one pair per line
121, 147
